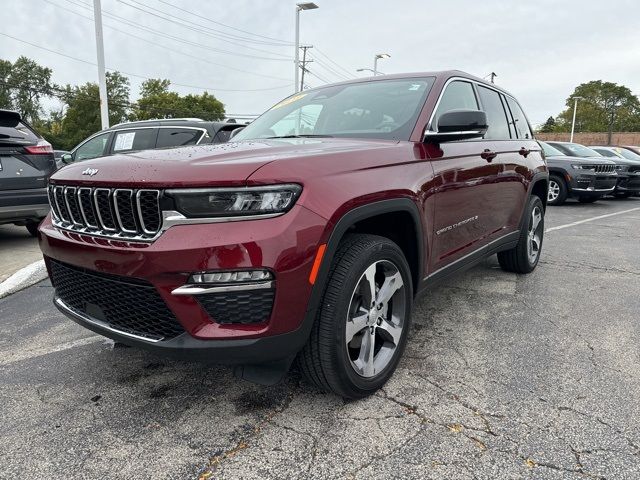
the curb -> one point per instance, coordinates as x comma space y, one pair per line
23, 278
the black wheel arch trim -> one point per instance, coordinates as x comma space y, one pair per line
341, 228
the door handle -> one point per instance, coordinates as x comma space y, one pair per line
524, 152
488, 155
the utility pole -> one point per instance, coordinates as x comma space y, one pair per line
296, 59
303, 65
573, 122
493, 76
102, 78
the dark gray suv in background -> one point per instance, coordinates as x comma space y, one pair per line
586, 178
149, 135
26, 162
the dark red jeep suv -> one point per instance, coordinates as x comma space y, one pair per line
308, 236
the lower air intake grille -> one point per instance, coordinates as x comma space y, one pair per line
129, 305
252, 306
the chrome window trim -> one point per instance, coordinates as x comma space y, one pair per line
476, 83
97, 207
115, 207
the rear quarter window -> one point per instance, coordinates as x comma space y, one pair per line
175, 137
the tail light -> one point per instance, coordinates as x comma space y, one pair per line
42, 148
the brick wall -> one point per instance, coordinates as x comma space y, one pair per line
589, 138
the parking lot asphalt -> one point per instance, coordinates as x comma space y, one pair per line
505, 376
17, 250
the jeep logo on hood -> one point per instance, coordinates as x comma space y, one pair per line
90, 171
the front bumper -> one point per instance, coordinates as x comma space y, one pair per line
592, 184
285, 245
628, 182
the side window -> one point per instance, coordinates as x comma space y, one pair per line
173, 137
93, 148
519, 120
457, 95
299, 122
138, 139
496, 115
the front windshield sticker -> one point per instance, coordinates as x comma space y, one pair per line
124, 141
289, 100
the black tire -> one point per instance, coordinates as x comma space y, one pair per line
562, 190
324, 360
32, 227
588, 199
517, 259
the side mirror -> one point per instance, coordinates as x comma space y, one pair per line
66, 158
458, 125
235, 132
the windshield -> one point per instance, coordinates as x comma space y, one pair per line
550, 151
628, 154
578, 150
386, 109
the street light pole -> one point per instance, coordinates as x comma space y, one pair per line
573, 122
296, 61
102, 79
375, 61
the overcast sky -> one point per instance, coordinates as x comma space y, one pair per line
540, 49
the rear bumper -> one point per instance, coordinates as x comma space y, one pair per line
21, 205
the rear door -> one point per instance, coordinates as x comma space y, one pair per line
509, 191
26, 159
465, 185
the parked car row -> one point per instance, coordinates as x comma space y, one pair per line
590, 173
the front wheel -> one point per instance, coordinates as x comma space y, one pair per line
557, 193
524, 257
32, 227
361, 328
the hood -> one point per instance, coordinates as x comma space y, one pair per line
227, 164
580, 160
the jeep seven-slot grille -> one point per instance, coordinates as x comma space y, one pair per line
122, 213
602, 168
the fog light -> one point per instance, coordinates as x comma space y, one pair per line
230, 277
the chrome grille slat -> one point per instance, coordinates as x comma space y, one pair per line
117, 213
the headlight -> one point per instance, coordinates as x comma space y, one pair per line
622, 168
583, 167
235, 202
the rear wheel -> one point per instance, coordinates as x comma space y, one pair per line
557, 193
588, 199
524, 257
361, 328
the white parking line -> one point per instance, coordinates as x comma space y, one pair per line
572, 224
40, 351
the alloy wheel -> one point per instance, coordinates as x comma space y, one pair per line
553, 192
375, 318
535, 234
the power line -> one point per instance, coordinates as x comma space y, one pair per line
141, 76
282, 42
124, 20
346, 72
199, 30
330, 70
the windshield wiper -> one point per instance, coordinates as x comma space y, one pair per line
302, 136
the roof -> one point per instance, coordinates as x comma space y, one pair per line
184, 122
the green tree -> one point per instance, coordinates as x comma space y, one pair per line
603, 107
549, 125
29, 82
156, 101
5, 91
82, 116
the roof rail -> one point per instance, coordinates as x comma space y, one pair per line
161, 120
